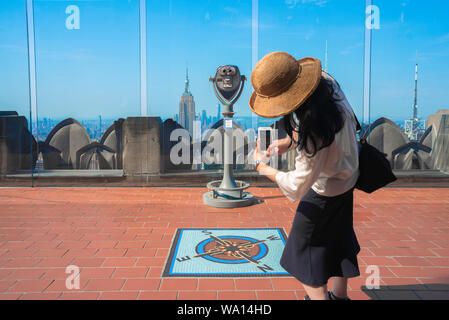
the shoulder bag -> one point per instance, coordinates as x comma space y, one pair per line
375, 169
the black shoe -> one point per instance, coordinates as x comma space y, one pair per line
332, 296
306, 297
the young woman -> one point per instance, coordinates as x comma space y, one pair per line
321, 125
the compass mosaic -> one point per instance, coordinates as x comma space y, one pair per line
226, 252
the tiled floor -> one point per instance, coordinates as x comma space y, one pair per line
120, 238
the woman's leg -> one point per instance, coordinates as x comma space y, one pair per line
340, 287
316, 293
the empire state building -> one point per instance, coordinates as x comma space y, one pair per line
187, 107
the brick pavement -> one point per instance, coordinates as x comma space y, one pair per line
120, 238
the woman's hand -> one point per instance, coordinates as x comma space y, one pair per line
257, 155
263, 168
280, 146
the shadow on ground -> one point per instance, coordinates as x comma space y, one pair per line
438, 291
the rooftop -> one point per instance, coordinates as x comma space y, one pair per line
120, 239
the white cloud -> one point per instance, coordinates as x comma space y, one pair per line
442, 39
13, 47
245, 23
309, 34
293, 3
231, 10
349, 49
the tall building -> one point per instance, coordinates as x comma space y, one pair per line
414, 128
187, 107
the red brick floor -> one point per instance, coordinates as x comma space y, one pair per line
120, 238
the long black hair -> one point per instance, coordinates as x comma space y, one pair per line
317, 120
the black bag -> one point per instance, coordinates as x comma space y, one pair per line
375, 169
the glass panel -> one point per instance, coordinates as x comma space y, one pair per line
115, 79
16, 143
409, 114
331, 31
88, 71
187, 41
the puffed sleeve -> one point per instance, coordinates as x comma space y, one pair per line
295, 184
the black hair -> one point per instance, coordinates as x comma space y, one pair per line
319, 120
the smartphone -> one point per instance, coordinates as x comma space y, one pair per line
264, 138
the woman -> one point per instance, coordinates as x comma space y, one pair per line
321, 125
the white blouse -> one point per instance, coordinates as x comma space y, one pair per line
334, 169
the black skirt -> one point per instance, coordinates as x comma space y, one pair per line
322, 242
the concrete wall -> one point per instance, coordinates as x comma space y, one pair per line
17, 146
434, 121
386, 136
440, 152
142, 145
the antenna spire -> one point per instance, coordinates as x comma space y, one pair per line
187, 89
415, 104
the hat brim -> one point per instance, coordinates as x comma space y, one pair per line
294, 97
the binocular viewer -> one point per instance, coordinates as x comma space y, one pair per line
228, 85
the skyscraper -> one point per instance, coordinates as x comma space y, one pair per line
187, 107
414, 128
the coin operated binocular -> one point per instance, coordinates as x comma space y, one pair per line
228, 86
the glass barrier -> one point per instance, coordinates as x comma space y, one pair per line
409, 61
331, 31
88, 71
17, 146
187, 41
121, 92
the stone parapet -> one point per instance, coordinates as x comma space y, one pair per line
142, 145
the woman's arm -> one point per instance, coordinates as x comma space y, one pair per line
280, 146
295, 183
267, 171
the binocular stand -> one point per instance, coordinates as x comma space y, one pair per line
228, 193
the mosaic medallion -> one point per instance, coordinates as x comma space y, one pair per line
226, 252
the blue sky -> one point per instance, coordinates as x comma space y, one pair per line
95, 70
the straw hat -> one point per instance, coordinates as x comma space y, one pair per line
281, 83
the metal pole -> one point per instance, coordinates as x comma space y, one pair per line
254, 48
32, 77
325, 59
143, 59
228, 174
367, 70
